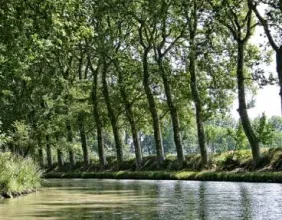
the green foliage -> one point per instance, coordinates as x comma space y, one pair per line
51, 52
239, 136
21, 135
4, 138
217, 138
232, 159
18, 174
169, 146
264, 130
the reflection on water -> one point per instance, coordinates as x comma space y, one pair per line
142, 199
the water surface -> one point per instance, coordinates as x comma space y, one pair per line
146, 199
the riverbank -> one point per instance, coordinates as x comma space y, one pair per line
10, 195
235, 161
228, 166
18, 176
269, 177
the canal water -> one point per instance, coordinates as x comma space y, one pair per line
146, 199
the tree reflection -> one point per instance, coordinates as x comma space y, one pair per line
245, 202
202, 201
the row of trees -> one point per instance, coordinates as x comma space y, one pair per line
90, 68
222, 134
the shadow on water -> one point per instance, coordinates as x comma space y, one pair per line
111, 207
90, 213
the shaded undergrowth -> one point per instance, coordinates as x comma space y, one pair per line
228, 166
239, 161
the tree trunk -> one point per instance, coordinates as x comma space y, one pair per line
197, 99
149, 150
99, 128
253, 140
85, 151
136, 143
112, 117
60, 158
70, 140
139, 138
272, 43
41, 158
131, 120
72, 159
49, 152
279, 70
126, 138
101, 149
174, 116
153, 110
134, 132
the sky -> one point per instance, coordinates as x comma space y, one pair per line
267, 99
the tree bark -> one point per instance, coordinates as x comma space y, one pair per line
174, 116
253, 140
193, 26
49, 152
134, 132
199, 115
131, 120
60, 158
85, 150
279, 70
96, 114
83, 139
41, 158
153, 110
112, 116
70, 140
272, 43
195, 93
72, 159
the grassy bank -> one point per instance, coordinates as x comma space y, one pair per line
229, 166
274, 177
18, 176
237, 161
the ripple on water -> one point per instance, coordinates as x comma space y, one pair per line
145, 199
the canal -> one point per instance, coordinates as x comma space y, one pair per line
146, 199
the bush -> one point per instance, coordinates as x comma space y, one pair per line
233, 159
18, 174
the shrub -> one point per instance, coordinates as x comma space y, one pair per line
18, 174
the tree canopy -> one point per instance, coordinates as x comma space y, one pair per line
109, 78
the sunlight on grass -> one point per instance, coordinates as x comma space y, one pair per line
18, 174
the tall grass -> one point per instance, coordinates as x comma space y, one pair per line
18, 174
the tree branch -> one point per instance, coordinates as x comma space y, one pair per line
264, 24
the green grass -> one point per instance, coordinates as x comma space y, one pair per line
17, 174
241, 160
274, 177
228, 166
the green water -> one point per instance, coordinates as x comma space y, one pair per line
142, 199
